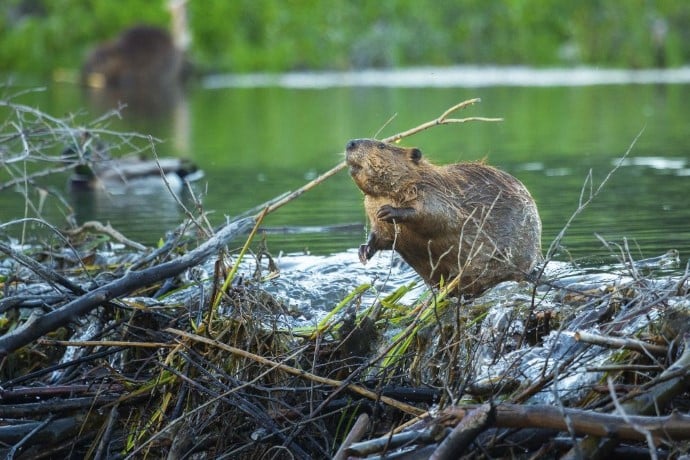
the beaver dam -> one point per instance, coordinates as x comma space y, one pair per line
193, 349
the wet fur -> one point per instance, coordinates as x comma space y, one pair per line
466, 218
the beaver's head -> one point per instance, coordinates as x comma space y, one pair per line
381, 169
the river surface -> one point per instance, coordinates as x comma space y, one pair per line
258, 136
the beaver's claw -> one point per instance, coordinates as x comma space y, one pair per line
365, 253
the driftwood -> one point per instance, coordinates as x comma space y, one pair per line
50, 430
48, 275
422, 436
470, 421
53, 406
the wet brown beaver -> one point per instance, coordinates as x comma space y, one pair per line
467, 218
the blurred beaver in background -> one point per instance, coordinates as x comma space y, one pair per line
466, 219
141, 57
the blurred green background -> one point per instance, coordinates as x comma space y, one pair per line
40, 36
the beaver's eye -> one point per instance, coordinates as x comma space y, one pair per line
382, 146
416, 155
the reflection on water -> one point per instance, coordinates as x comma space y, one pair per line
455, 77
149, 207
256, 142
147, 106
672, 164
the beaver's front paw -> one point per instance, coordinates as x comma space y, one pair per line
366, 252
388, 213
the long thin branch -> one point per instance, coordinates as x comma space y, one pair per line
108, 230
621, 343
441, 120
583, 203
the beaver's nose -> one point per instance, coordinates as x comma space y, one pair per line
352, 144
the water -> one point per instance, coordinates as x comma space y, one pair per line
257, 142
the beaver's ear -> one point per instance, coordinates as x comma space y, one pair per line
416, 155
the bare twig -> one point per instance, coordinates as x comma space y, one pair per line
41, 270
441, 120
465, 433
105, 343
587, 198
107, 230
621, 410
667, 385
622, 343
107, 433
29, 435
205, 229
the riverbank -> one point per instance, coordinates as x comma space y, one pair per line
40, 37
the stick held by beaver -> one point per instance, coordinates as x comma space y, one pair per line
466, 219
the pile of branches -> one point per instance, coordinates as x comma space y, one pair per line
170, 353
112, 369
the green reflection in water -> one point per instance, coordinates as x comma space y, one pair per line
256, 143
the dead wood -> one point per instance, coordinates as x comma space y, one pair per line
107, 230
464, 433
32, 393
301, 373
359, 429
585, 422
421, 436
53, 406
131, 281
49, 431
622, 343
41, 270
667, 385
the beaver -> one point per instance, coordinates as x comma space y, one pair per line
466, 219
142, 56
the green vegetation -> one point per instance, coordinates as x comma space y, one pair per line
40, 36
